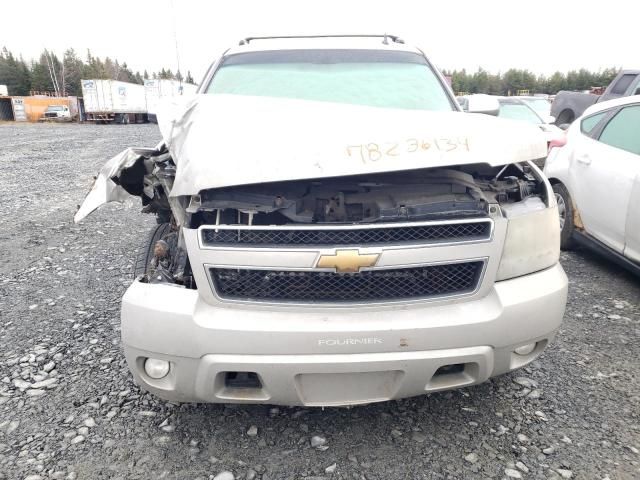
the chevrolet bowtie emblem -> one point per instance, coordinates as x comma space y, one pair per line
348, 261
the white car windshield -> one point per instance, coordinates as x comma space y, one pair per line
540, 105
363, 77
516, 110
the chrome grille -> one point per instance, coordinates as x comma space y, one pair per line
327, 236
382, 285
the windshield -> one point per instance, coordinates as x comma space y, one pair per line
540, 105
518, 111
54, 108
361, 77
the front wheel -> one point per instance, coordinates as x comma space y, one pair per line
565, 214
145, 252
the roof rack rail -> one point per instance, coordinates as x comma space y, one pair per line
385, 38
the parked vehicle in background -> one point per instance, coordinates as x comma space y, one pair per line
158, 90
518, 108
333, 230
3, 91
111, 101
567, 106
541, 105
515, 108
56, 112
596, 180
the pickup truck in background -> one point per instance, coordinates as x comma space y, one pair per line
56, 113
567, 106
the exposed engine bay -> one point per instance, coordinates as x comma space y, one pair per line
429, 194
413, 195
465, 191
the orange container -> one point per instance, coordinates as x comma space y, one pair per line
34, 107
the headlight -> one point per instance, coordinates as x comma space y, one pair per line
533, 239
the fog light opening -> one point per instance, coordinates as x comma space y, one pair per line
526, 349
156, 368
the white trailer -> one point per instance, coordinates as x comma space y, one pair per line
107, 101
157, 90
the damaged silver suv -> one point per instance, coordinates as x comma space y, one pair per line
333, 230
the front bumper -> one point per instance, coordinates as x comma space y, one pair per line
336, 356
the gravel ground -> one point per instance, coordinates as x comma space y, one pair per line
69, 409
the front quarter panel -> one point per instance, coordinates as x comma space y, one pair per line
558, 164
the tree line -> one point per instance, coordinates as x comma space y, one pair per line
61, 76
513, 80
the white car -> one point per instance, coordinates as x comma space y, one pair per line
541, 105
521, 109
596, 179
517, 108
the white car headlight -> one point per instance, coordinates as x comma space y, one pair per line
533, 239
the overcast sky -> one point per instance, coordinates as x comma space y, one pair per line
550, 35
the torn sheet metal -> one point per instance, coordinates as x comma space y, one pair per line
226, 140
104, 189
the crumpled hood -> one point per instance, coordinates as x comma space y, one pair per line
226, 140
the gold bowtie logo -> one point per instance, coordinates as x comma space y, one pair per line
348, 261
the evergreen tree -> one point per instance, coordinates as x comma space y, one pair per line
14, 73
73, 70
110, 69
125, 74
41, 76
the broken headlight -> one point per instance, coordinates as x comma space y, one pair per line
532, 242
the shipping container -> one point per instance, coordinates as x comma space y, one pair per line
157, 90
35, 106
108, 101
31, 109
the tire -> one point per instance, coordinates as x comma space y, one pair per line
566, 117
565, 212
145, 252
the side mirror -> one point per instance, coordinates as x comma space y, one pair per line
564, 126
481, 103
